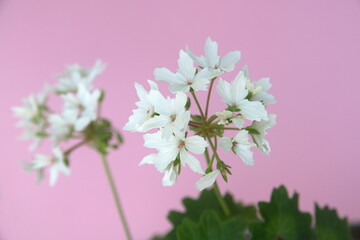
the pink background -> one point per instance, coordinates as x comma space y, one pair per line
310, 49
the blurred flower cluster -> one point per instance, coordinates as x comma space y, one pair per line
245, 114
79, 119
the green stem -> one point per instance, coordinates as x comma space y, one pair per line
213, 148
116, 197
207, 158
221, 200
216, 187
198, 105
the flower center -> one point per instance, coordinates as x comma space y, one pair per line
172, 117
181, 144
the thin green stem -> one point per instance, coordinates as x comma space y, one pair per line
79, 144
216, 187
221, 200
116, 197
213, 148
198, 105
208, 97
207, 157
213, 156
227, 128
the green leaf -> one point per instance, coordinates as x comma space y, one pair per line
329, 226
282, 219
196, 118
210, 227
233, 109
207, 200
252, 131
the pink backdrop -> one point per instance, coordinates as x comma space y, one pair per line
310, 49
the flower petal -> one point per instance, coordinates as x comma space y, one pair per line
195, 144
207, 180
191, 161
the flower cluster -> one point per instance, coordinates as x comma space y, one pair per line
246, 102
79, 119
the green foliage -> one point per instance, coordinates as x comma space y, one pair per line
329, 226
102, 136
210, 227
281, 219
195, 208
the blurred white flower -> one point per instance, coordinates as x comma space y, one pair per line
259, 135
33, 118
83, 106
234, 95
76, 74
240, 145
56, 165
207, 180
145, 108
61, 127
186, 77
217, 65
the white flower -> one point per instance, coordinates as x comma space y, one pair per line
227, 117
240, 145
145, 109
55, 163
82, 106
176, 146
207, 180
212, 61
33, 117
234, 95
170, 173
76, 74
172, 115
186, 76
258, 89
261, 127
61, 126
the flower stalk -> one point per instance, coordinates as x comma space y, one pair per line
115, 194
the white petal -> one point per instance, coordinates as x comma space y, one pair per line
252, 110
238, 89
153, 85
54, 174
186, 65
164, 158
238, 122
244, 152
191, 161
179, 87
82, 123
223, 89
149, 159
195, 144
165, 75
170, 176
225, 143
229, 60
200, 84
161, 104
207, 180
211, 51
199, 60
